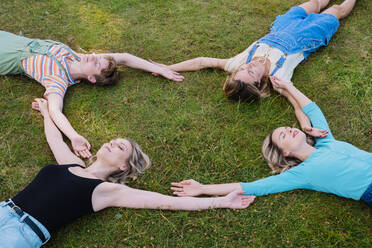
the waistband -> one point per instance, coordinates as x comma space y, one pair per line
367, 195
26, 219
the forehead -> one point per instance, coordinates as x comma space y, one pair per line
124, 142
243, 75
104, 62
276, 134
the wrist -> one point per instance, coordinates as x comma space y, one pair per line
220, 202
203, 189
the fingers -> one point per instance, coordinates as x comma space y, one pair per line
83, 153
176, 189
88, 146
177, 184
35, 106
181, 194
76, 153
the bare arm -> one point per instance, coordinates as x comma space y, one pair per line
298, 101
79, 143
198, 64
61, 151
300, 115
115, 195
193, 188
132, 61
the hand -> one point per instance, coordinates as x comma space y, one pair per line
280, 84
316, 132
41, 105
166, 72
81, 146
236, 200
187, 188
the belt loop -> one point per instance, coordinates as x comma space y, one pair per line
23, 217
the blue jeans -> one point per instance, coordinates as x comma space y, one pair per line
14, 233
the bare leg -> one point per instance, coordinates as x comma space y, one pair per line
342, 10
314, 6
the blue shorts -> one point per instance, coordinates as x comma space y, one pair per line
15, 233
297, 31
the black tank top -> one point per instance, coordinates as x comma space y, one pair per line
56, 196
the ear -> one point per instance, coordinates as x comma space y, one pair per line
123, 167
286, 153
92, 79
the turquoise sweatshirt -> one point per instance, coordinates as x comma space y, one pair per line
335, 167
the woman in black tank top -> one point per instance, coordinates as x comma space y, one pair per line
62, 193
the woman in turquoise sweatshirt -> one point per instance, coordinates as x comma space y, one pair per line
329, 165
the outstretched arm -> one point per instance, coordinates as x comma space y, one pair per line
132, 61
80, 145
61, 151
123, 196
198, 64
193, 188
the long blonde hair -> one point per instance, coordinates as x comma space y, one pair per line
137, 163
274, 155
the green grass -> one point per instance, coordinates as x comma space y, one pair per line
189, 129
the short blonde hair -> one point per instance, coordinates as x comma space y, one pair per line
274, 155
237, 90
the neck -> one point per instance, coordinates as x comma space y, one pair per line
100, 170
304, 152
265, 62
74, 69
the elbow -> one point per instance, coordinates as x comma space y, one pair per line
202, 62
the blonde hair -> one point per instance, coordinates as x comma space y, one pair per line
274, 155
137, 163
237, 90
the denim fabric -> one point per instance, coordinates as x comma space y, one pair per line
367, 196
297, 31
14, 233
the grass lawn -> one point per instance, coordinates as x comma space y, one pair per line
189, 129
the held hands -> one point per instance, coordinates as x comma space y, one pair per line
187, 188
81, 146
315, 132
166, 72
280, 84
236, 200
41, 105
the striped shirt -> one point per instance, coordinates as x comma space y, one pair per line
48, 73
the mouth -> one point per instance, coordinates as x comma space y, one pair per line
295, 132
108, 148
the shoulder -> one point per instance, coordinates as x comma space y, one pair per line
106, 194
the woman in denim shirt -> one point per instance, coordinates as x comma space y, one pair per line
293, 36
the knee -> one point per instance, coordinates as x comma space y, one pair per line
323, 3
338, 10
316, 5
